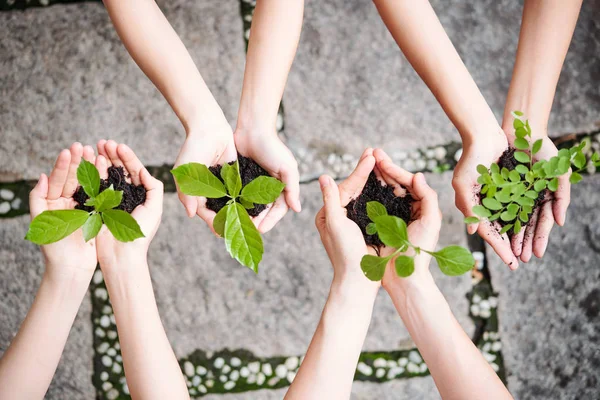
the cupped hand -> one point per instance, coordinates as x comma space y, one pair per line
111, 252
341, 237
71, 254
274, 156
213, 148
485, 151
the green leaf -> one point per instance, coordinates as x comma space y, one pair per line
575, 178
88, 178
454, 260
553, 185
373, 266
537, 146
492, 191
482, 169
231, 177
516, 114
92, 227
507, 216
375, 209
52, 226
392, 231
494, 217
242, 239
521, 132
521, 144
505, 172
122, 225
532, 194
471, 220
505, 228
494, 168
579, 160
481, 211
498, 179
371, 228
503, 196
524, 216
522, 157
521, 169
247, 204
517, 123
405, 266
106, 200
195, 179
491, 204
514, 176
513, 208
263, 190
517, 227
519, 189
525, 201
539, 185
219, 222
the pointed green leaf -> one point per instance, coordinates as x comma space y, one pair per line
247, 204
263, 190
491, 204
392, 231
373, 266
91, 227
122, 225
481, 211
471, 220
52, 226
88, 178
524, 216
553, 184
537, 146
219, 222
242, 239
405, 266
454, 260
106, 200
522, 157
195, 179
231, 177
575, 178
375, 209
521, 144
494, 217
517, 227
371, 228
505, 228
514, 176
517, 114
521, 169
579, 160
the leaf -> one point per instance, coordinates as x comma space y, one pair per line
507, 216
373, 266
494, 217
579, 160
471, 220
263, 190
522, 157
491, 204
505, 172
537, 146
524, 216
375, 209
514, 176
247, 204
498, 179
92, 227
519, 189
494, 168
575, 178
553, 185
231, 177
454, 260
539, 185
242, 239
517, 227
482, 169
503, 196
517, 123
195, 179
563, 165
521, 132
521, 144
88, 178
405, 266
392, 231
52, 226
532, 194
520, 168
106, 200
516, 114
492, 191
219, 222
481, 211
505, 228
122, 225
371, 228
513, 209
525, 201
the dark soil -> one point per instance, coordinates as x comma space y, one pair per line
133, 195
374, 191
249, 170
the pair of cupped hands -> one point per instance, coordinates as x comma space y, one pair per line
72, 255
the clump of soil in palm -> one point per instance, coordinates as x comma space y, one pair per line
374, 190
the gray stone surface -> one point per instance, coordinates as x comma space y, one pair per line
350, 86
550, 309
21, 270
65, 76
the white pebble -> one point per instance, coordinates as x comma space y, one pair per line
229, 385
98, 277
439, 153
251, 379
281, 371
100, 332
6, 194
244, 372
412, 368
495, 367
420, 164
331, 159
486, 347
497, 346
103, 347
16, 204
379, 363
391, 364
112, 319
364, 369
380, 373
488, 356
485, 305
126, 388
292, 363
209, 383
247, 34
429, 153
200, 370
104, 376
402, 362
431, 165
113, 393
273, 381
117, 369
415, 357
105, 321
254, 367
196, 380
458, 154
235, 362
223, 378
260, 379
486, 335
486, 313
235, 375
394, 372
291, 376
423, 368
399, 155
188, 368
4, 207
119, 358
111, 352
101, 293
106, 361
493, 301
409, 165
475, 309
226, 369
107, 310
267, 369
219, 362
202, 389
347, 158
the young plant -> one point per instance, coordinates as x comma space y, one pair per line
510, 195
452, 260
52, 226
232, 222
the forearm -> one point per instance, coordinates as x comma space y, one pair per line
28, 365
457, 366
159, 52
150, 365
546, 33
421, 37
274, 36
328, 369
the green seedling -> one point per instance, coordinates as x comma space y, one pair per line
232, 222
452, 260
510, 195
52, 226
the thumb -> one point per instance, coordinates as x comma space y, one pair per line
37, 197
465, 201
331, 196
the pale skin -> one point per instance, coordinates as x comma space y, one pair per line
159, 52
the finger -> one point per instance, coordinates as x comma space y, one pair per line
133, 165
101, 145
88, 154
261, 217
381, 155
368, 152
395, 173
58, 177
291, 178
355, 183
189, 203
527, 250
500, 243
154, 189
516, 242
71, 182
430, 208
562, 199
37, 197
542, 230
331, 196
399, 189
113, 156
465, 199
102, 166
276, 212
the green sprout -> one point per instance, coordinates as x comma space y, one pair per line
232, 222
52, 226
452, 260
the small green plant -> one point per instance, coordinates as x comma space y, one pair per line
510, 195
55, 225
452, 260
232, 222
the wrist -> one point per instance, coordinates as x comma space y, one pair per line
484, 134
67, 280
206, 123
355, 288
122, 265
421, 281
256, 123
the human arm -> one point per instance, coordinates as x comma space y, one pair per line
328, 369
151, 368
29, 363
274, 37
546, 31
